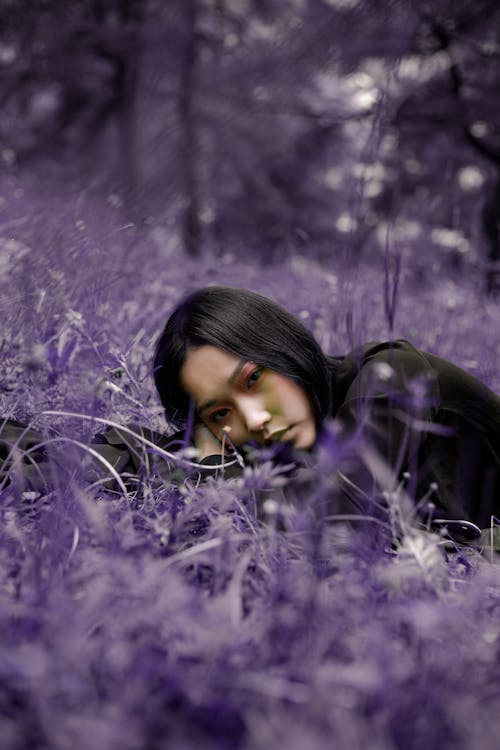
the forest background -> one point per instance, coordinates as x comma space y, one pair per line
342, 157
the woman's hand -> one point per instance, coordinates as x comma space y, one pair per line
206, 442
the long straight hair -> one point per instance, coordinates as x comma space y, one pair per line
248, 326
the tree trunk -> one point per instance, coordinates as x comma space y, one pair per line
191, 229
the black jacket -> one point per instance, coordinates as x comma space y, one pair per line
426, 417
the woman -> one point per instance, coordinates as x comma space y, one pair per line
232, 367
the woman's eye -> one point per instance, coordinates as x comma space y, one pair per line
254, 376
219, 415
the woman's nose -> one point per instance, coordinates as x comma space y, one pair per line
255, 416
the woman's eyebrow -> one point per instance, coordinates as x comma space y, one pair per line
234, 376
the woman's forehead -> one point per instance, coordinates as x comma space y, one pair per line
208, 370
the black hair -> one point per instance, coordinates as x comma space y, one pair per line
248, 326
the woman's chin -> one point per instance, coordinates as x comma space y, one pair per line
302, 437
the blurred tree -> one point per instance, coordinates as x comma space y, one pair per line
450, 118
267, 126
70, 75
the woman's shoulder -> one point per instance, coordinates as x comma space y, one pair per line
383, 367
375, 367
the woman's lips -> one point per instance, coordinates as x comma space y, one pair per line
278, 434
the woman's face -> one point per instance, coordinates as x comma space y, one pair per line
246, 399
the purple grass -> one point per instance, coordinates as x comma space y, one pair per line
159, 609
227, 613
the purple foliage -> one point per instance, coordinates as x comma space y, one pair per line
238, 613
227, 613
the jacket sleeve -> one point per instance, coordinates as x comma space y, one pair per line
34, 460
22, 456
386, 415
128, 452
